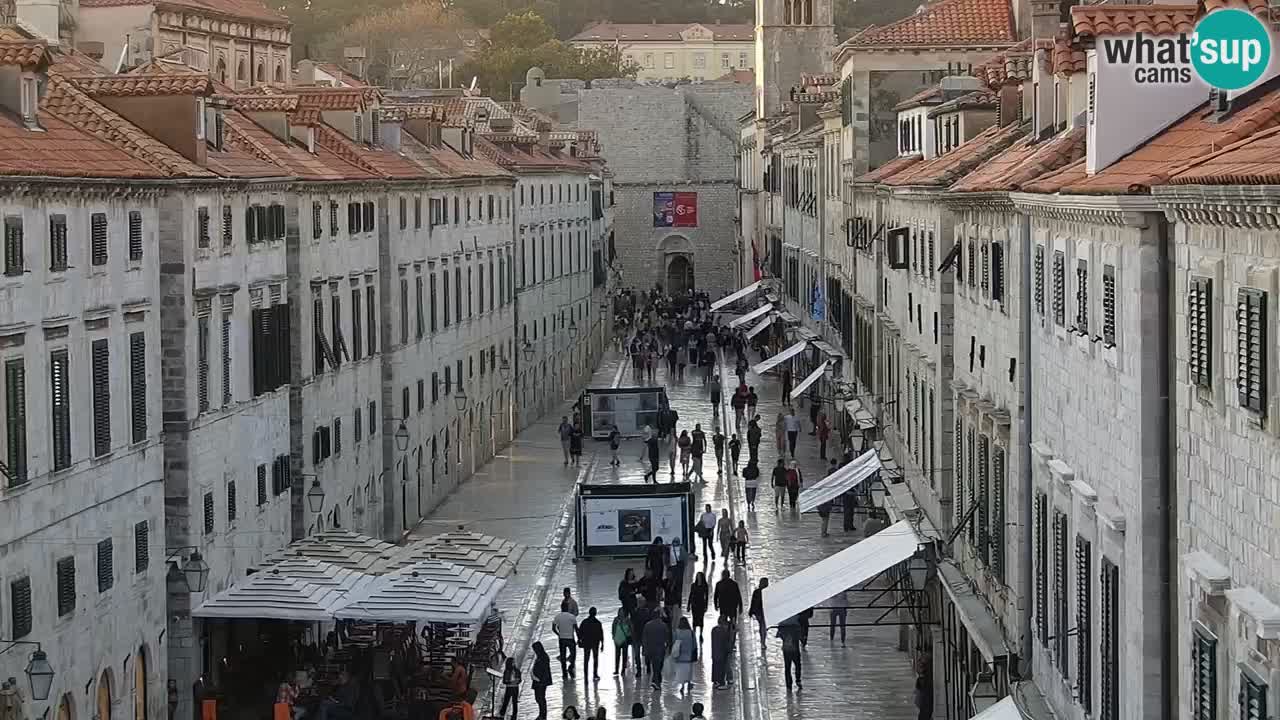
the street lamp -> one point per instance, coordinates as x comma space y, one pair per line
315, 496
528, 350
573, 330
194, 573
504, 367
460, 399
39, 671
402, 437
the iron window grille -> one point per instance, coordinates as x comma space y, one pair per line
1204, 671
1200, 331
1109, 626
1059, 288
1084, 623
141, 546
1251, 349
1109, 305
1060, 629
1082, 297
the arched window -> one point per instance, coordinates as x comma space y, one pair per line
105, 699
808, 12
280, 72
786, 12
261, 73
242, 71
221, 72
140, 685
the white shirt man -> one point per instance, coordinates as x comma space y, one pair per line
791, 422
709, 520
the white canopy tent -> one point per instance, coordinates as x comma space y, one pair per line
1006, 709
848, 568
429, 592
318, 572
758, 312
759, 328
474, 551
810, 380
735, 297
785, 355
272, 596
840, 482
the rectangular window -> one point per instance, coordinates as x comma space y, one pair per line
997, 271
480, 278
57, 243
984, 495
1038, 289
100, 358
404, 310
335, 322
135, 236
417, 213
1109, 305
337, 436
422, 395
208, 513
404, 213
60, 409
431, 280
202, 362
13, 254
106, 566
228, 232
1253, 697
368, 225
404, 401
435, 388
457, 293
98, 239
333, 218
317, 216
997, 513
1041, 549
419, 322
231, 501
1082, 297
1084, 623
141, 546
1200, 331
138, 386
1251, 349
1059, 288
15, 397
262, 484
1204, 675
66, 580
959, 472
357, 426
20, 607
203, 239
371, 319
1060, 622
1109, 646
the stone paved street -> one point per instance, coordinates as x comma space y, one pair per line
524, 495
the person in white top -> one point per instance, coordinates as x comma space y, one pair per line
792, 424
565, 628
706, 531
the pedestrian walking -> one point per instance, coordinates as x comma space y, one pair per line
751, 483
721, 648
541, 678
786, 384
511, 679
780, 434
752, 400
728, 598
566, 434
795, 481
568, 600
621, 633
717, 443
591, 639
779, 484
741, 368
651, 449
575, 444
706, 531
791, 424
824, 514
735, 449
641, 617
757, 607
684, 651
715, 396
924, 688
724, 531
565, 627
673, 451
839, 605
789, 633
740, 539
753, 439
676, 559
699, 598
656, 639
815, 408
655, 561
615, 443
697, 449
824, 435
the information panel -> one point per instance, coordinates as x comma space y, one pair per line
624, 520
627, 409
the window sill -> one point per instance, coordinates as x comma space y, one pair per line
133, 266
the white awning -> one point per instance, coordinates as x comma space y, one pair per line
758, 312
785, 355
271, 596
735, 297
428, 592
1006, 709
320, 573
848, 568
840, 482
760, 327
810, 380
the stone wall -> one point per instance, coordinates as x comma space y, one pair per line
661, 139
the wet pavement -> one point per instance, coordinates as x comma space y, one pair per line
524, 495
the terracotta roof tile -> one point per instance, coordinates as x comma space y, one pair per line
377, 162
995, 72
444, 162
322, 165
64, 150
661, 32
1067, 60
946, 169
1054, 181
305, 116
889, 169
342, 76
263, 103
945, 23
64, 99
16, 48
74, 63
1023, 162
927, 96
327, 98
239, 9
1105, 19
978, 99
144, 85
1192, 138
1252, 161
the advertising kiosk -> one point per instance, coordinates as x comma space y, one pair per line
624, 520
627, 409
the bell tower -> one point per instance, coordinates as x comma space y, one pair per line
792, 37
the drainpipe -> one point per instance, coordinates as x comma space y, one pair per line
1026, 507
1168, 655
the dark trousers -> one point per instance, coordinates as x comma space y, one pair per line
734, 458
568, 655
751, 495
822, 448
653, 469
838, 617
740, 552
655, 667
512, 695
708, 546
590, 655
791, 441
793, 495
753, 452
847, 502
620, 653
790, 659
540, 697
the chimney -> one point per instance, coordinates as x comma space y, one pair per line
1042, 95
95, 50
1047, 16
306, 72
355, 57
39, 17
1010, 104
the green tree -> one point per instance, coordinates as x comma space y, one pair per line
404, 44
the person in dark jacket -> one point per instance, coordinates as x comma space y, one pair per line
753, 439
639, 619
924, 689
735, 449
757, 606
656, 558
591, 639
655, 640
511, 679
728, 598
721, 647
627, 588
699, 597
789, 632
541, 678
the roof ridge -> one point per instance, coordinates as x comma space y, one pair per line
333, 141
1235, 145
255, 148
933, 13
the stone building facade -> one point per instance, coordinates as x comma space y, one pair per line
691, 148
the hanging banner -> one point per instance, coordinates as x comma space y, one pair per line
675, 209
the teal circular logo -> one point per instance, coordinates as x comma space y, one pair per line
1231, 49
